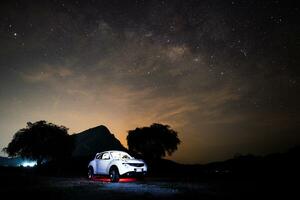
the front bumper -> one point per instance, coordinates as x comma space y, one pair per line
132, 171
134, 174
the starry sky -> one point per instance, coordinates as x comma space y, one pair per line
224, 74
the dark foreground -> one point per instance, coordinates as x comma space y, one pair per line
15, 185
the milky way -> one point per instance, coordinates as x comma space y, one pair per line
224, 74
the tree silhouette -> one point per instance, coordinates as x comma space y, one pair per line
153, 142
41, 141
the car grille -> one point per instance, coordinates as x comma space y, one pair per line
136, 164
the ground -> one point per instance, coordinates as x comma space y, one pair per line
29, 186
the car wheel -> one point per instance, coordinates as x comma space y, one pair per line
90, 173
114, 175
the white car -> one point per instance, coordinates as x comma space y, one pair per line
116, 164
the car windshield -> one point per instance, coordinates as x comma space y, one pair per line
120, 155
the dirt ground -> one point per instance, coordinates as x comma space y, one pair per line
31, 186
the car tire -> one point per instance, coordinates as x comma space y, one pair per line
114, 175
90, 173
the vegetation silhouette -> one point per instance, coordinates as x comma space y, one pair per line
153, 142
41, 141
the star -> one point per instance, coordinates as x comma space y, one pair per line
178, 62
196, 59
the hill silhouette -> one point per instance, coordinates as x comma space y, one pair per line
86, 144
94, 140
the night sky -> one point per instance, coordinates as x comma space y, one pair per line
224, 74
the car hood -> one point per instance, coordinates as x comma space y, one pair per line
132, 161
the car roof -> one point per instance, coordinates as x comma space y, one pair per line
110, 151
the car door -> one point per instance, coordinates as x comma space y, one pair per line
103, 163
97, 163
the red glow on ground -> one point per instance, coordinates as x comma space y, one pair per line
126, 180
101, 179
122, 180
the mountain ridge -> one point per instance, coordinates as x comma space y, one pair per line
94, 140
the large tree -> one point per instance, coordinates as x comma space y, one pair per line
153, 142
41, 141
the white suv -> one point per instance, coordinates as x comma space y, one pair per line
116, 164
